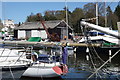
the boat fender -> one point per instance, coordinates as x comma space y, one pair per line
87, 50
65, 69
57, 70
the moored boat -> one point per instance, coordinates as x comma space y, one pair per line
46, 70
47, 66
13, 59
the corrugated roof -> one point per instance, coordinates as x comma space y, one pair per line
38, 25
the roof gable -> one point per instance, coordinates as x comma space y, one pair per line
38, 25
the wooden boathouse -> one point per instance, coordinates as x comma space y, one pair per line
35, 29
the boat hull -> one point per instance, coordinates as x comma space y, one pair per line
45, 71
40, 72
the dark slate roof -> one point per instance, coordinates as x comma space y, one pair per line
38, 25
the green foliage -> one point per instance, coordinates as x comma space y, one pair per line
77, 15
32, 18
19, 24
49, 15
74, 17
89, 10
117, 11
60, 14
112, 18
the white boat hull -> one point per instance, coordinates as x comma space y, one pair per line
46, 71
13, 59
40, 72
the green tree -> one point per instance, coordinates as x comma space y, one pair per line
32, 18
19, 23
49, 15
76, 15
112, 18
60, 14
117, 11
89, 10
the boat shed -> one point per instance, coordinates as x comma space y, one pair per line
35, 29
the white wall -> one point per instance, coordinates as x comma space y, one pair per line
9, 23
21, 34
118, 25
38, 33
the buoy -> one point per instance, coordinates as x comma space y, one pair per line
74, 50
110, 53
87, 50
87, 57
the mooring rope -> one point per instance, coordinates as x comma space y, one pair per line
104, 64
93, 64
86, 41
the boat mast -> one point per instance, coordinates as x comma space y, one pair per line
96, 13
1, 9
101, 29
66, 20
105, 14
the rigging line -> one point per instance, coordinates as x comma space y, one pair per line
8, 55
111, 2
96, 52
92, 48
104, 64
93, 54
2, 52
95, 57
89, 52
94, 65
11, 73
39, 70
19, 57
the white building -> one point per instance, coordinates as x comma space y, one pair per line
9, 23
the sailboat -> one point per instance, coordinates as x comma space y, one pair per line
48, 66
109, 41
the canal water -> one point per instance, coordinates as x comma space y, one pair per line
80, 68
